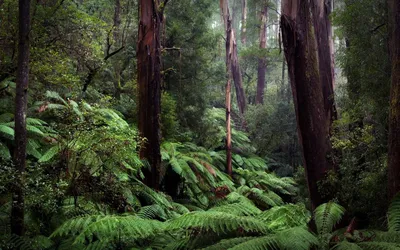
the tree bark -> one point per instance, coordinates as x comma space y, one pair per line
243, 30
228, 60
235, 67
21, 99
149, 85
321, 10
394, 116
262, 62
301, 54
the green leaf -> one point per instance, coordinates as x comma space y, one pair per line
4, 152
49, 154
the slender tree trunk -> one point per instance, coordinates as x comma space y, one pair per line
149, 85
302, 58
321, 10
243, 31
235, 67
229, 53
394, 117
21, 99
262, 62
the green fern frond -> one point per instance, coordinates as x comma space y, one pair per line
284, 217
6, 117
228, 243
379, 246
394, 215
55, 96
152, 212
327, 216
32, 148
7, 132
345, 245
261, 243
217, 222
296, 238
4, 152
53, 151
108, 228
240, 208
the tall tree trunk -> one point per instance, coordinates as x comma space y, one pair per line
149, 85
262, 62
243, 30
21, 99
229, 53
235, 67
394, 122
302, 58
321, 10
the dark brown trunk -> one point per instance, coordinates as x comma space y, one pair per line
394, 117
117, 20
17, 210
149, 85
243, 31
262, 62
302, 58
321, 10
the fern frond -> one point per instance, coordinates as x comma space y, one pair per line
53, 151
55, 96
240, 208
260, 243
4, 152
152, 212
284, 217
394, 215
217, 222
345, 245
228, 243
7, 132
379, 246
327, 216
298, 238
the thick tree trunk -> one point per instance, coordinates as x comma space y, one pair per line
321, 10
243, 30
302, 58
262, 62
21, 99
235, 67
394, 122
149, 85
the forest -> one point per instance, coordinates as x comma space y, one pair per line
200, 124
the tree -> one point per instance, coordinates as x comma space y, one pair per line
235, 67
301, 54
229, 52
262, 61
394, 116
323, 33
243, 31
21, 101
149, 84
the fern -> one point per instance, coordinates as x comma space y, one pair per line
217, 222
229, 243
345, 245
284, 217
4, 152
53, 151
394, 215
327, 216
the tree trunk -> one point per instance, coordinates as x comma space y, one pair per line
235, 67
323, 33
262, 62
17, 210
394, 117
229, 53
243, 30
302, 58
149, 85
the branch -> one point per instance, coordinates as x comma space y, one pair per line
113, 53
